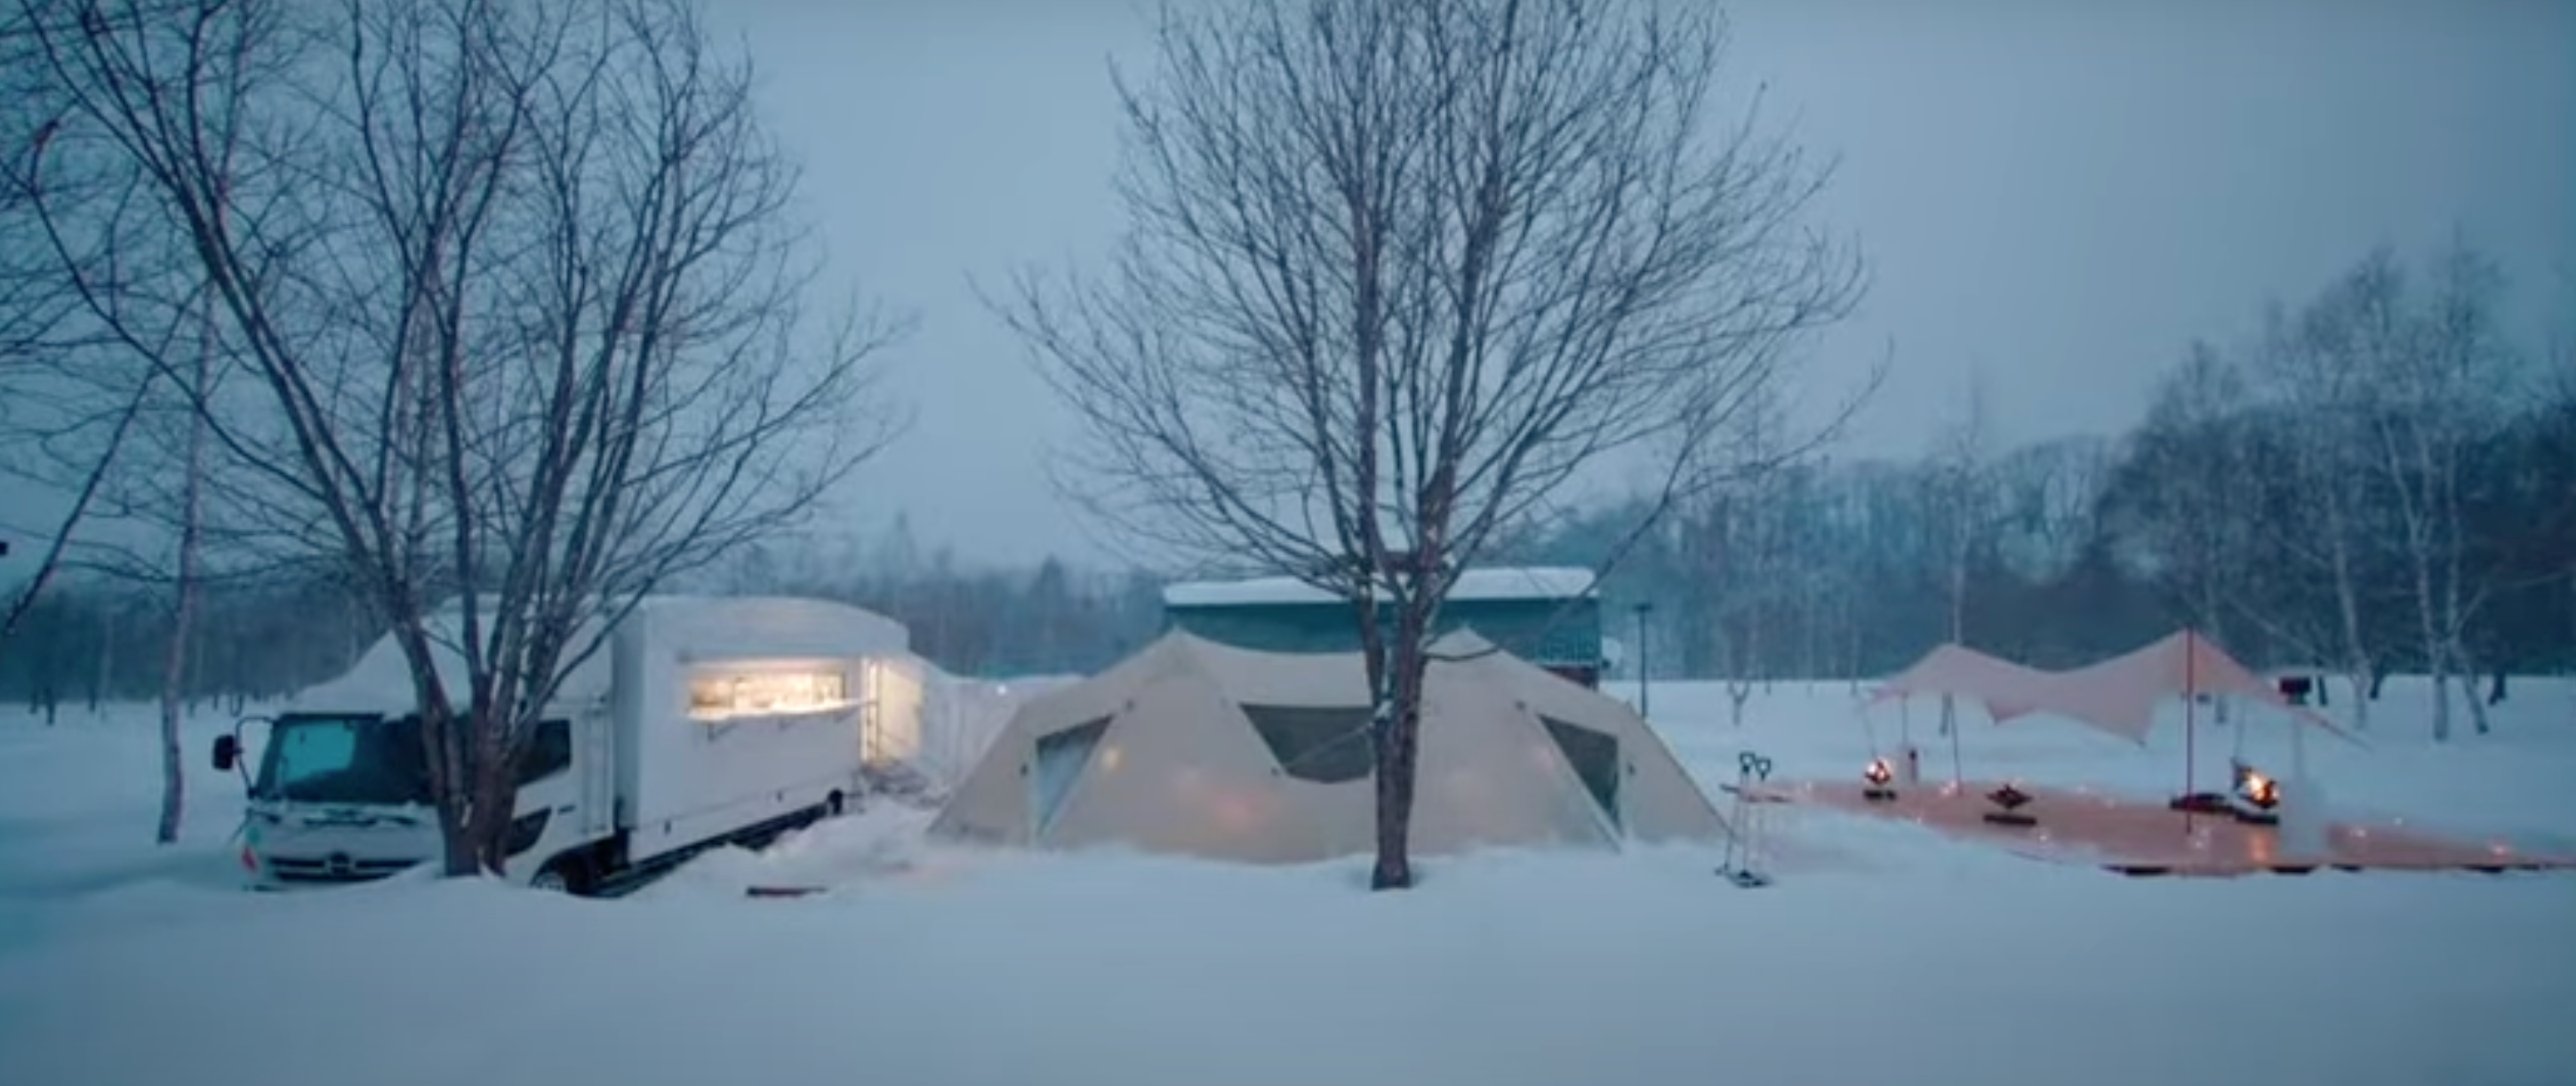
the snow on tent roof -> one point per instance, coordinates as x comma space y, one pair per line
1516, 583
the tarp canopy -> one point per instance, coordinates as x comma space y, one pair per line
1198, 748
2119, 695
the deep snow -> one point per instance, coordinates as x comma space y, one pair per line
1882, 952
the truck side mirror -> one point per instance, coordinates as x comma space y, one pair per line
227, 752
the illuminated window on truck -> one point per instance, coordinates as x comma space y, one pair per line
728, 694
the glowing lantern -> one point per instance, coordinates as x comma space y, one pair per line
1878, 774
2259, 790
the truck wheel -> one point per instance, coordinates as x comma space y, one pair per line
565, 875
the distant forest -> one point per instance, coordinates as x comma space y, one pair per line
2373, 482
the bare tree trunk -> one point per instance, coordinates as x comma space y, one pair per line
183, 617
102, 675
444, 736
1851, 630
2455, 636
2436, 658
1396, 732
496, 795
1739, 670
2357, 663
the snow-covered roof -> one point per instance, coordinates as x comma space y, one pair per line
1501, 583
694, 628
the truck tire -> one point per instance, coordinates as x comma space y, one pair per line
832, 804
568, 875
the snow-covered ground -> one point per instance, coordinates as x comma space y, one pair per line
1882, 952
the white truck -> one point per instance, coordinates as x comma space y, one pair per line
700, 722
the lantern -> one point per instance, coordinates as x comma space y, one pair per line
2259, 791
1877, 777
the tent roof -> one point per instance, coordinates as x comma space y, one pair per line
2118, 695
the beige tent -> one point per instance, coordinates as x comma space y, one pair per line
1197, 748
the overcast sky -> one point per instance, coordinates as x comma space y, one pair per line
2056, 195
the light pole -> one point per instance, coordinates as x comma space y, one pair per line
1642, 699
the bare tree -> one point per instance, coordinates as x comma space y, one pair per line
1733, 541
2326, 524
1398, 271
2196, 501
1963, 512
1966, 509
187, 575
2436, 364
2467, 369
515, 303
2045, 497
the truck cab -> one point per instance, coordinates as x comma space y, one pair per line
339, 797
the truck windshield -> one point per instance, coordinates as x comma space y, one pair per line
345, 759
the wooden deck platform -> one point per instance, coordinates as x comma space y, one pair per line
2135, 836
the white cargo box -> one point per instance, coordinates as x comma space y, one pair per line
740, 709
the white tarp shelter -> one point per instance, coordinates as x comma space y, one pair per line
1195, 748
2119, 695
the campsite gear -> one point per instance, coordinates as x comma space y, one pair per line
2257, 795
1197, 748
1742, 865
2009, 801
2295, 688
1877, 780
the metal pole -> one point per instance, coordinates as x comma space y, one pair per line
2190, 726
1644, 680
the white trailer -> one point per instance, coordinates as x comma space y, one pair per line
700, 722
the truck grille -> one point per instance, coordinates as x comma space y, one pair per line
332, 868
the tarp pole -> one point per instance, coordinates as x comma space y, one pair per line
1958, 775
2299, 750
2190, 723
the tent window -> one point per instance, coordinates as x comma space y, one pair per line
1595, 758
1327, 745
1061, 757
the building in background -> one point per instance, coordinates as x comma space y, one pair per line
1548, 616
